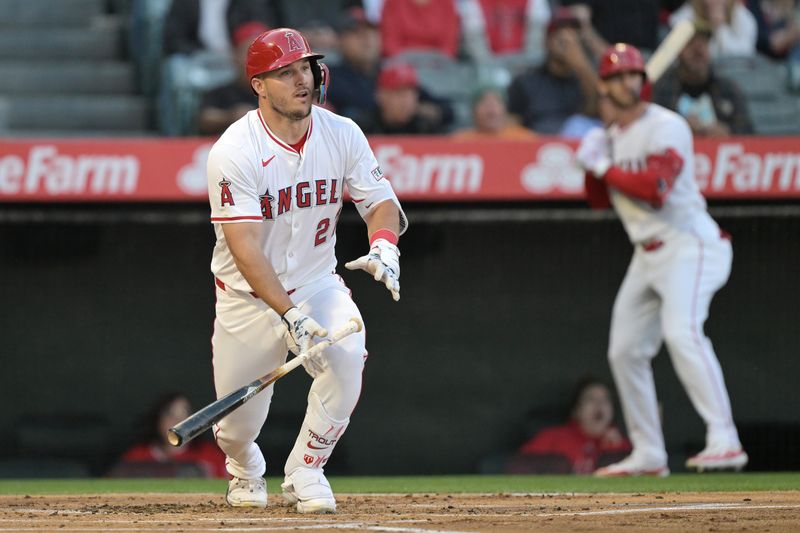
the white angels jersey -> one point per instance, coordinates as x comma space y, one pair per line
255, 177
684, 208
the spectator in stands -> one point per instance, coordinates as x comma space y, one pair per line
199, 54
503, 27
544, 97
154, 447
605, 22
224, 105
401, 110
195, 25
317, 20
732, 25
491, 119
589, 433
778, 28
714, 106
426, 25
352, 91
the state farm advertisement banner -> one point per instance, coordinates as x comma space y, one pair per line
420, 169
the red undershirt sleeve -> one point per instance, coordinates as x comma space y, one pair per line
652, 184
596, 192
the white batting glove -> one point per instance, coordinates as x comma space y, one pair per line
300, 330
383, 262
594, 153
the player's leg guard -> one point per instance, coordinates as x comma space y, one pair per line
305, 485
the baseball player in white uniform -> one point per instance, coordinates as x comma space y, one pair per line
643, 165
275, 182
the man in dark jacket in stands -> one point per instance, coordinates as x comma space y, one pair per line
544, 97
194, 25
224, 105
355, 91
401, 108
714, 106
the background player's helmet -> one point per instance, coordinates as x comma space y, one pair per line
280, 47
621, 58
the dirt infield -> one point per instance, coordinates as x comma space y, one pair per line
412, 513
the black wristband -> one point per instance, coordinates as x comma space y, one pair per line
284, 315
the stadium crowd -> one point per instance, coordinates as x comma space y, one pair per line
424, 66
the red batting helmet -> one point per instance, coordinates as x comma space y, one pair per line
280, 47
275, 49
621, 58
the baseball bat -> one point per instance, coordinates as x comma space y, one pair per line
669, 49
209, 415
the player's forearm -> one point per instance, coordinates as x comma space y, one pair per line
244, 241
261, 276
651, 184
641, 185
384, 216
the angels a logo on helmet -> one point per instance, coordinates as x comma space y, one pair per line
294, 41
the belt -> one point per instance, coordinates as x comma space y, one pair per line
654, 244
221, 285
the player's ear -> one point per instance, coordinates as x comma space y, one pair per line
257, 84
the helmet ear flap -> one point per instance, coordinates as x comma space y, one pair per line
322, 78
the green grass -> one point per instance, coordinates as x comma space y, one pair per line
728, 482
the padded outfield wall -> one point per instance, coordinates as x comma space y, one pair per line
502, 310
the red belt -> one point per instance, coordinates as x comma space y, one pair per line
654, 244
221, 285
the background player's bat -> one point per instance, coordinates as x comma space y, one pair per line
669, 49
215, 411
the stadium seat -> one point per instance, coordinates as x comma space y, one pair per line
759, 78
79, 43
61, 13
780, 116
766, 87
445, 78
184, 80
146, 41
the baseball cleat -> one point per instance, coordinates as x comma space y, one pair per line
309, 491
716, 459
630, 468
247, 492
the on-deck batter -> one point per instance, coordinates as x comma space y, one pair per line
643, 164
275, 184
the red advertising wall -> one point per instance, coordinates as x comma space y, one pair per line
420, 168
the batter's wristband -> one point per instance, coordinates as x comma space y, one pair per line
385, 234
283, 317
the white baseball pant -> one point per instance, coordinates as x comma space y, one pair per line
248, 343
665, 296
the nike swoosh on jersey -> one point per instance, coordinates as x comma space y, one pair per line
359, 201
265, 162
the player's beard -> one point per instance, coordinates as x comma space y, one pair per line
281, 107
634, 97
